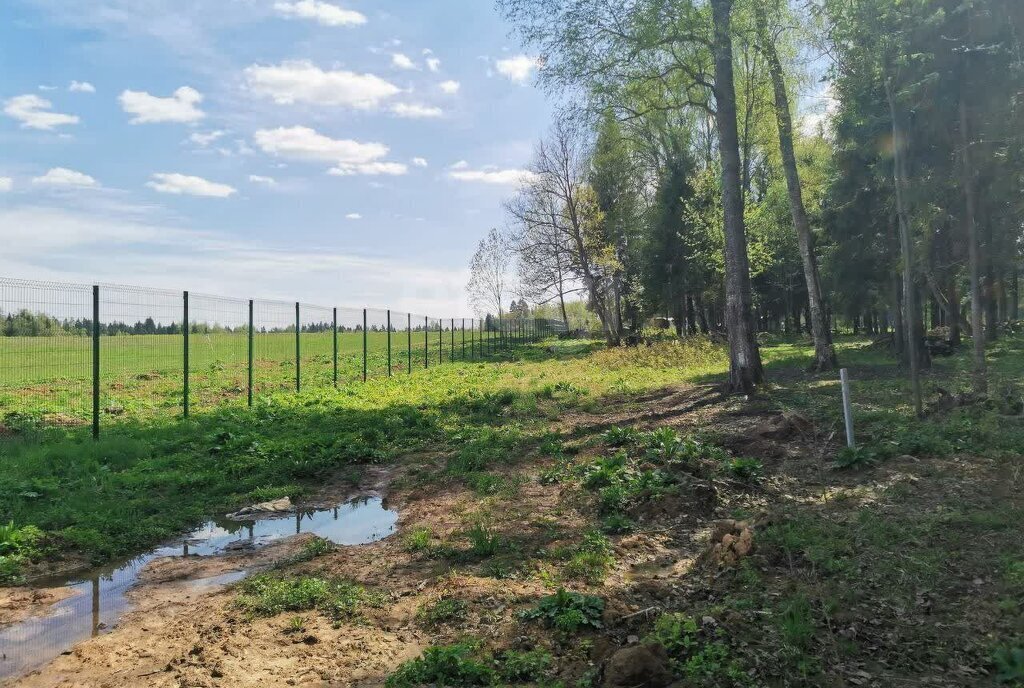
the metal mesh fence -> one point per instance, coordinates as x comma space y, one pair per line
75, 354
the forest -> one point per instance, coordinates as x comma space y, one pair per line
746, 166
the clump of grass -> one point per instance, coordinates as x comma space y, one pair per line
443, 611
484, 541
417, 539
524, 667
269, 595
18, 545
568, 612
591, 560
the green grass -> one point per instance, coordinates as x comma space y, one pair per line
150, 478
270, 594
142, 375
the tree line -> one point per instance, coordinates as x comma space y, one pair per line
683, 182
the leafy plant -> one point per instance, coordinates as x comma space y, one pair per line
696, 656
483, 540
524, 667
417, 539
1009, 665
568, 612
444, 665
617, 436
746, 469
856, 457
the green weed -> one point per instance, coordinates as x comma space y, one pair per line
568, 612
444, 665
269, 594
443, 611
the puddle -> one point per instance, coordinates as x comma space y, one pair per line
100, 595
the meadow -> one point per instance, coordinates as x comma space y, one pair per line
142, 375
585, 488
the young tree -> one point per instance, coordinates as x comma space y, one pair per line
488, 274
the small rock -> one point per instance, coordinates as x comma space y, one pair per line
277, 506
638, 665
632, 639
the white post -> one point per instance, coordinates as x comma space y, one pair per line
847, 410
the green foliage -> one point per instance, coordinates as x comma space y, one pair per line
618, 436
270, 594
18, 545
417, 539
484, 541
797, 621
443, 611
568, 612
444, 665
524, 667
1009, 665
746, 469
617, 524
591, 560
856, 457
697, 655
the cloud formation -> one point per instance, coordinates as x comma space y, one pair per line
81, 87
63, 177
461, 171
416, 111
179, 107
301, 81
323, 13
183, 184
35, 113
518, 69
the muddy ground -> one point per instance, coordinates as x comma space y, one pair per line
175, 637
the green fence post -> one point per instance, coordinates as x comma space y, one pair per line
463, 339
298, 349
95, 361
335, 346
408, 330
426, 342
364, 345
440, 341
451, 359
389, 342
185, 329
251, 340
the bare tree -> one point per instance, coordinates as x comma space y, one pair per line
489, 274
556, 217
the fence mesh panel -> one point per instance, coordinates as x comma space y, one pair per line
45, 350
231, 352
142, 368
218, 351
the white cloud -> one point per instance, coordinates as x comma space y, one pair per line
62, 176
303, 143
81, 87
303, 82
518, 68
6, 184
462, 172
183, 184
34, 113
420, 162
371, 169
433, 64
205, 138
353, 216
147, 109
416, 111
450, 87
321, 12
260, 179
402, 61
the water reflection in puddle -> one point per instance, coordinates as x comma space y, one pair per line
100, 599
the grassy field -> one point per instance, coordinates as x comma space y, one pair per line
142, 375
583, 487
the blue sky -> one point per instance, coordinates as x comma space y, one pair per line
347, 152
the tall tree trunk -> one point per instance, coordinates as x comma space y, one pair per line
745, 370
911, 311
973, 252
1015, 290
824, 352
